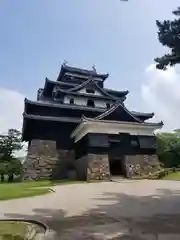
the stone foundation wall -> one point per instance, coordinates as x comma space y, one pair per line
98, 167
44, 161
141, 165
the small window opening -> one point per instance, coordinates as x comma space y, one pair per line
108, 105
90, 103
90, 90
71, 101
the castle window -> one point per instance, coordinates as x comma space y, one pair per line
90, 103
71, 101
90, 90
108, 105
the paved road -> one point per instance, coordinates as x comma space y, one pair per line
125, 199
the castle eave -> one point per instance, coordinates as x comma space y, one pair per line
51, 104
85, 72
113, 127
140, 114
49, 118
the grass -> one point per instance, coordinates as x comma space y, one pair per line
28, 188
172, 176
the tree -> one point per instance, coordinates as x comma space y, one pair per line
168, 149
3, 170
169, 36
14, 167
8, 145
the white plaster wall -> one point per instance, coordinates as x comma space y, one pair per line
100, 103
111, 128
95, 93
83, 102
66, 100
80, 101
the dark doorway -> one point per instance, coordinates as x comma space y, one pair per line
116, 159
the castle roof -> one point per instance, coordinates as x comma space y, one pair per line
51, 118
92, 125
69, 69
158, 124
118, 106
72, 89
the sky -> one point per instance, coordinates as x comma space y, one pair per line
120, 38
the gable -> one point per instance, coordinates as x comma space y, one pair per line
91, 85
118, 112
90, 90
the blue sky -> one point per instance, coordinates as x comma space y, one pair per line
118, 37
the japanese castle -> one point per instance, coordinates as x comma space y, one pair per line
79, 129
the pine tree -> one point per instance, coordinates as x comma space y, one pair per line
169, 36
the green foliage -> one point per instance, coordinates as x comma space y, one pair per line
14, 167
9, 165
168, 149
169, 36
9, 144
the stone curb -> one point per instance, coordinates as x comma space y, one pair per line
50, 189
47, 231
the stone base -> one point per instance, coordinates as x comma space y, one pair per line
98, 167
45, 162
141, 165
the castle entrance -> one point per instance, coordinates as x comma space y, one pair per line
116, 159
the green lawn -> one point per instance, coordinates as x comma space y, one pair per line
28, 188
172, 176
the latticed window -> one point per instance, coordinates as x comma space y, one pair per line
90, 90
71, 101
108, 105
90, 103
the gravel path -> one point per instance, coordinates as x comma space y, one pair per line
137, 202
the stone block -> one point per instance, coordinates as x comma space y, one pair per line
98, 167
45, 161
141, 165
39, 152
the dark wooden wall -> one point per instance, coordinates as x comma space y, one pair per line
57, 131
122, 143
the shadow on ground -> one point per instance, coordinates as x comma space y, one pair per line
159, 213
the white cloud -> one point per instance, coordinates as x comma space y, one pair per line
11, 109
161, 91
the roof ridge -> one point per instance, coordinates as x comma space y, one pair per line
85, 119
73, 88
113, 90
141, 113
81, 85
91, 71
113, 108
108, 111
87, 82
102, 90
59, 83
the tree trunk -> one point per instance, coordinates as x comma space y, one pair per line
10, 178
2, 177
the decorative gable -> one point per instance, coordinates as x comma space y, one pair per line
120, 112
90, 90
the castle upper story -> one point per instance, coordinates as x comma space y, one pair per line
80, 87
77, 93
